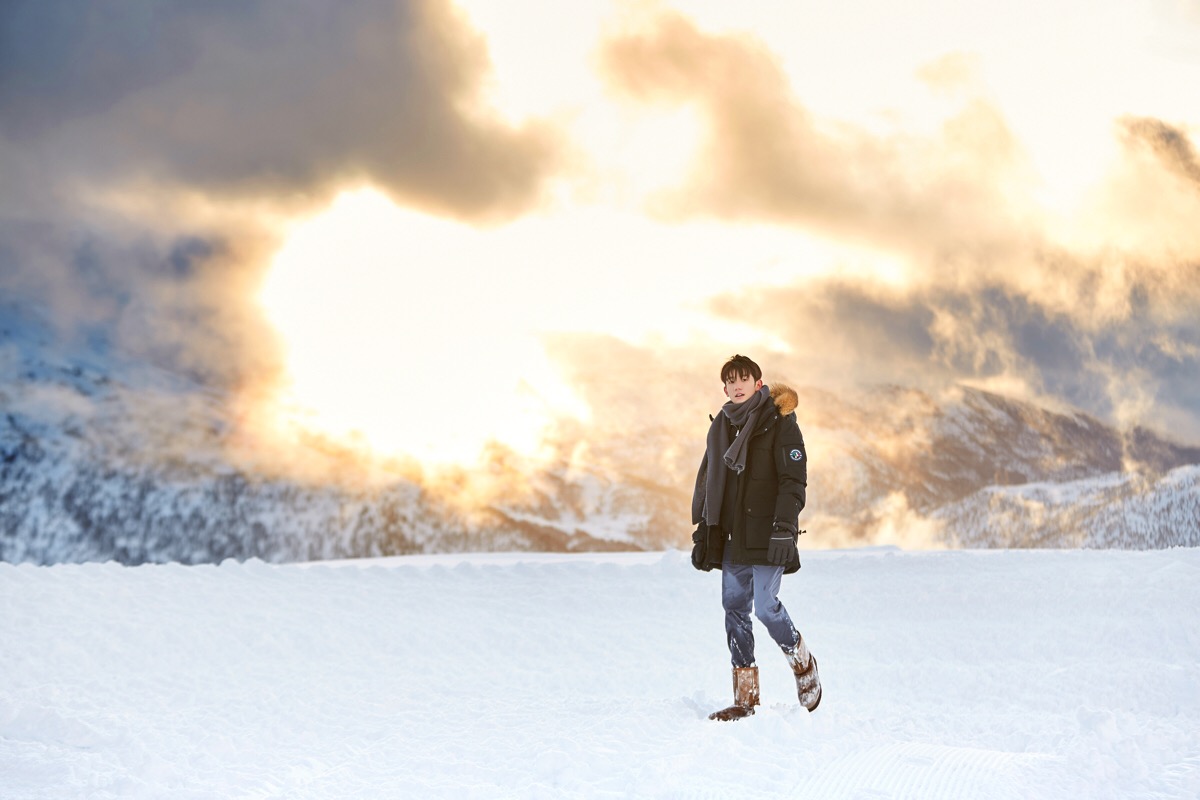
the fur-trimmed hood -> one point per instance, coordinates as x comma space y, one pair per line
785, 398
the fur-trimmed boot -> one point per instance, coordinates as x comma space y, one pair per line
745, 695
804, 667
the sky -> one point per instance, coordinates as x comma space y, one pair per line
423, 226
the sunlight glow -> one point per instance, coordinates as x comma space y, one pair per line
422, 337
394, 338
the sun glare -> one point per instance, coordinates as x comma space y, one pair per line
396, 340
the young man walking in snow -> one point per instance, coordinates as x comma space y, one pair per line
748, 498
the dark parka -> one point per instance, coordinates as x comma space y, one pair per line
769, 492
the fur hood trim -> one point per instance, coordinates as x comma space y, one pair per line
785, 398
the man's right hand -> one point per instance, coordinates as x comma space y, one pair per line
700, 548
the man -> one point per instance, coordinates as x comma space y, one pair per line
749, 494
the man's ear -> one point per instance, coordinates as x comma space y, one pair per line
758, 384
725, 389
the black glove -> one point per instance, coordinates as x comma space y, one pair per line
782, 548
700, 548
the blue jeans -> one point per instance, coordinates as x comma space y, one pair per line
744, 587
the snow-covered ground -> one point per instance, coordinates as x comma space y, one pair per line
1000, 674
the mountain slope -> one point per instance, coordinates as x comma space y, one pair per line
1118, 509
103, 461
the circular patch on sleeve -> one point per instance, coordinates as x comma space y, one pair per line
796, 454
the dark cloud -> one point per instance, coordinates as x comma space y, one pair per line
767, 158
1137, 368
266, 98
61, 60
180, 302
847, 331
1168, 143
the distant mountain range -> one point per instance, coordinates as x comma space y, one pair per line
981, 470
98, 465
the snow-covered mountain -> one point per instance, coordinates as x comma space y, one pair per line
106, 461
978, 469
1112, 510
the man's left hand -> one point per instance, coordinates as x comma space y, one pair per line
782, 548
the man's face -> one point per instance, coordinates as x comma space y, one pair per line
739, 387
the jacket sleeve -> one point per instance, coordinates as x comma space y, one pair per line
791, 463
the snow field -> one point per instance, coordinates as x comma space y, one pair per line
1001, 674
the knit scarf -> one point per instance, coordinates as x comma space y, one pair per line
710, 483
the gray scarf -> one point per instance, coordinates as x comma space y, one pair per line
710, 483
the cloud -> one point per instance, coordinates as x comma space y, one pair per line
994, 293
768, 158
268, 98
176, 301
150, 149
220, 112
1141, 367
1168, 143
61, 61
830, 320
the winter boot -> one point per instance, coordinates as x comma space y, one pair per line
745, 695
804, 667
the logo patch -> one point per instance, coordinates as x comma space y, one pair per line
796, 454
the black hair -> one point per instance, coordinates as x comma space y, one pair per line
742, 367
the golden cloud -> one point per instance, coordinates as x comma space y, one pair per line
768, 158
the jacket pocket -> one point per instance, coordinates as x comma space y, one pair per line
758, 532
760, 499
760, 513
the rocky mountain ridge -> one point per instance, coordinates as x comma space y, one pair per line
97, 467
